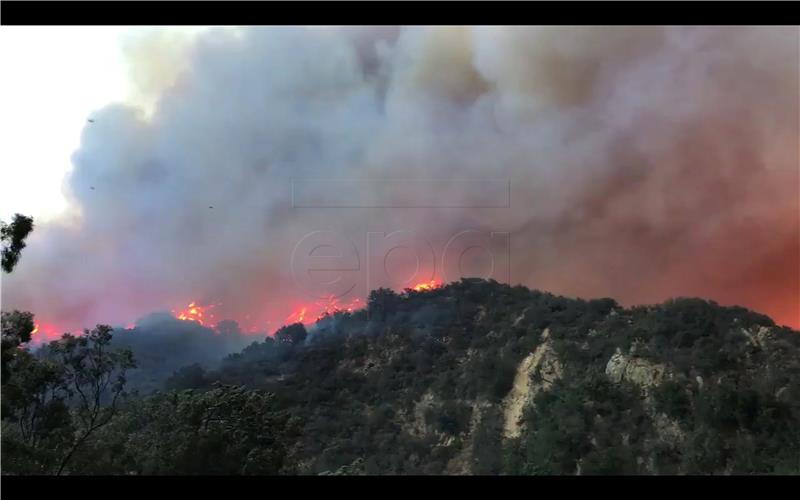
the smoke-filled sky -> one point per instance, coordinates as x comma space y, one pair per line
638, 163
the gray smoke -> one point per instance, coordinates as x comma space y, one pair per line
644, 163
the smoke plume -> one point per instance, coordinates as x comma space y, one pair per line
643, 163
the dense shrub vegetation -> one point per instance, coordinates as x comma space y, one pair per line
419, 383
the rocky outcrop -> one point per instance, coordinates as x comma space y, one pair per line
668, 430
417, 424
520, 318
462, 462
646, 375
535, 373
636, 370
758, 337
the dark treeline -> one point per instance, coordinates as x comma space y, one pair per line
162, 344
420, 383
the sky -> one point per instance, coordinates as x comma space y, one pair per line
53, 79
640, 163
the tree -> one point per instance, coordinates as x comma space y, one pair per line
225, 430
188, 377
36, 420
291, 334
93, 377
382, 303
17, 327
12, 237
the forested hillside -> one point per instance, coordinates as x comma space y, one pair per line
474, 377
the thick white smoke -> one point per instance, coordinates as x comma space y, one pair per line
644, 163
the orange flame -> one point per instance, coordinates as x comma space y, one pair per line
312, 313
195, 312
307, 314
333, 306
297, 316
44, 332
426, 285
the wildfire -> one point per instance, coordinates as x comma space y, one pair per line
297, 316
333, 306
43, 332
304, 313
309, 314
195, 312
203, 314
426, 285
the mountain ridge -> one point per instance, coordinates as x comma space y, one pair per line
663, 360
475, 377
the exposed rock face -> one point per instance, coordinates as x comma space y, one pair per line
638, 371
462, 462
646, 375
520, 318
669, 431
632, 388
759, 336
418, 426
541, 364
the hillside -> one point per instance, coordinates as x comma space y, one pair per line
480, 378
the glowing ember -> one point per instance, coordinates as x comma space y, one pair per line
195, 312
297, 316
333, 306
308, 314
44, 332
425, 285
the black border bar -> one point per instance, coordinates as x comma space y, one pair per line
184, 13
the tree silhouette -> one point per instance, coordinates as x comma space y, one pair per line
12, 237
